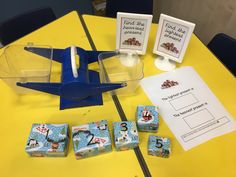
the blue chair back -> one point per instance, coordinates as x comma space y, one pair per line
23, 24
131, 6
224, 48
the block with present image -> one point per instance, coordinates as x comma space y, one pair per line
48, 140
147, 118
125, 135
159, 146
91, 139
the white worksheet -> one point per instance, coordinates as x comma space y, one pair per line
191, 110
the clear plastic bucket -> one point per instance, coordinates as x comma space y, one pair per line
117, 67
19, 65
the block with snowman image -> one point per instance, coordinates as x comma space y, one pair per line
147, 118
125, 135
48, 140
91, 139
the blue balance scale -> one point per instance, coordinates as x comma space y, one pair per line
79, 87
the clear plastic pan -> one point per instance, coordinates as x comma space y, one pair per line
19, 65
117, 67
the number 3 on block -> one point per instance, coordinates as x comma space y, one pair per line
124, 126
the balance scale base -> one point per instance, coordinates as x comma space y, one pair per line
129, 60
164, 63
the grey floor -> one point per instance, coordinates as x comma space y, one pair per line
11, 8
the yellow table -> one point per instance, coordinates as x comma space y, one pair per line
216, 157
18, 113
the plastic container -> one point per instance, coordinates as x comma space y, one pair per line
117, 67
19, 65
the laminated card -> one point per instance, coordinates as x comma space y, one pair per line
172, 40
132, 32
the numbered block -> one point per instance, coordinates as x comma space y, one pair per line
48, 140
125, 135
147, 118
159, 146
91, 139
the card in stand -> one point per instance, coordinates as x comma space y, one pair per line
132, 32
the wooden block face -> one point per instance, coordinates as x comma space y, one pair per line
91, 139
125, 135
159, 146
48, 140
147, 118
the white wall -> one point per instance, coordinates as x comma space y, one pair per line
211, 16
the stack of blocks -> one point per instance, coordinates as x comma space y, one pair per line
91, 139
94, 138
125, 135
48, 140
148, 121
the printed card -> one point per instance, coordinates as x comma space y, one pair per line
132, 32
172, 37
